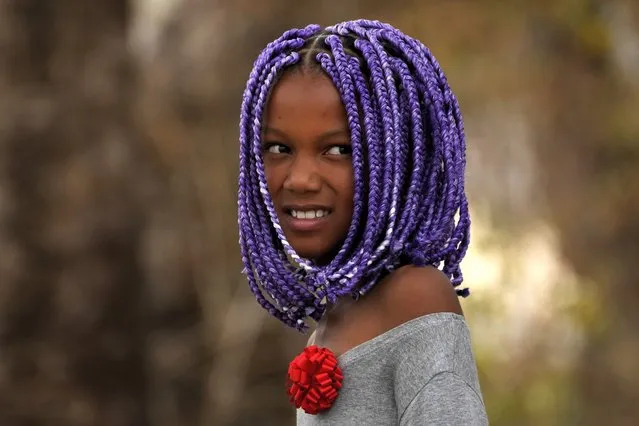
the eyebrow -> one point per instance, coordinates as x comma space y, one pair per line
325, 135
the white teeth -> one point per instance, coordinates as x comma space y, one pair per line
311, 214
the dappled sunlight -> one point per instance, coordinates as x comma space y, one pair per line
524, 317
529, 291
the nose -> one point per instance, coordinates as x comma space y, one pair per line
303, 176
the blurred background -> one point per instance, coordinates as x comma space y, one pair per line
121, 298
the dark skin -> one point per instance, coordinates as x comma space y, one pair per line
307, 162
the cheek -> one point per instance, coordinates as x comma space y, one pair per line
271, 175
346, 187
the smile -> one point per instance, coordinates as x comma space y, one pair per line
308, 214
306, 220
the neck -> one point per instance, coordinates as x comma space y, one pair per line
336, 315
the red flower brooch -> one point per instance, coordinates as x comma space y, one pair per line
314, 380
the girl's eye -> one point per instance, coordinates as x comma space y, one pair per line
340, 150
276, 148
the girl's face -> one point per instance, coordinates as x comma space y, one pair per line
307, 160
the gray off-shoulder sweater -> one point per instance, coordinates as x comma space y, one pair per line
422, 372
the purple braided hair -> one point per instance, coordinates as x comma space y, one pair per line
409, 162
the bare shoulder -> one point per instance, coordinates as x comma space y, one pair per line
411, 292
407, 293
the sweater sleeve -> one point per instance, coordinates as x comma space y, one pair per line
445, 400
436, 380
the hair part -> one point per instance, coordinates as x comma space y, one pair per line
316, 45
408, 161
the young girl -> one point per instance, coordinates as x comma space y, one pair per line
352, 213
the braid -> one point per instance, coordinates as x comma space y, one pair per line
407, 136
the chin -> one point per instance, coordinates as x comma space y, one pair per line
310, 249
308, 253
319, 254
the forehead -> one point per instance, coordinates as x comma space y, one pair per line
304, 99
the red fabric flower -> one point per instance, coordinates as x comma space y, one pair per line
314, 380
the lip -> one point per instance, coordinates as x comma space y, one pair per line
305, 225
288, 207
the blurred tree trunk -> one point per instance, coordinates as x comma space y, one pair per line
81, 338
589, 149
